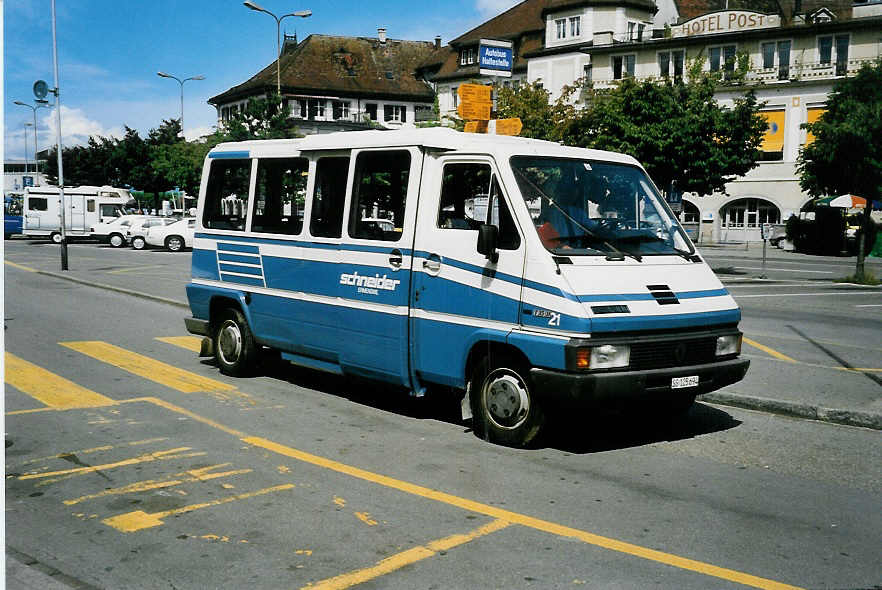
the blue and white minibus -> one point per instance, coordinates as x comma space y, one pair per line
527, 275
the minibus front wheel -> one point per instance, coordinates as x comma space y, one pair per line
234, 347
504, 406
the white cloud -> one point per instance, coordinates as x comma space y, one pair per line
491, 8
77, 127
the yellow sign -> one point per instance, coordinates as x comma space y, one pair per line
474, 93
509, 126
773, 140
479, 111
475, 127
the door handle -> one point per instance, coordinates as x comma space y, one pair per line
395, 259
432, 264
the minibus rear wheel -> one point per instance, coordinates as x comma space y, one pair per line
234, 348
504, 408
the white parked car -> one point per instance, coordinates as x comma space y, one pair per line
114, 231
138, 229
174, 237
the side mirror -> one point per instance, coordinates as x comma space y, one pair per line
488, 237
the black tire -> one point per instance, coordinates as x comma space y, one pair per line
138, 243
174, 243
235, 351
116, 240
55, 237
504, 407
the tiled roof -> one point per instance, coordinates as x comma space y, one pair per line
343, 66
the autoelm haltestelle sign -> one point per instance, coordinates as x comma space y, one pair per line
495, 58
726, 21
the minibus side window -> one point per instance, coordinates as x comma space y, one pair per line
329, 194
467, 192
509, 239
379, 194
90, 205
279, 195
37, 204
226, 196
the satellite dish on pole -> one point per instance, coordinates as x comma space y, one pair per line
41, 89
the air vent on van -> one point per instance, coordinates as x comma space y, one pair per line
601, 309
663, 294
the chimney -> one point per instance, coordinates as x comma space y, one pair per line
438, 42
381, 34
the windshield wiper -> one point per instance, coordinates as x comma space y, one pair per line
615, 253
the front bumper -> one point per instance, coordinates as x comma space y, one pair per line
621, 387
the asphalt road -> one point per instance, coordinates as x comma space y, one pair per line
130, 463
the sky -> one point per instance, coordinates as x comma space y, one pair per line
109, 52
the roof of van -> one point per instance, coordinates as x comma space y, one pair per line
434, 137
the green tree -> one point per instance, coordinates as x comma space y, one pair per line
262, 118
180, 164
846, 154
676, 129
530, 103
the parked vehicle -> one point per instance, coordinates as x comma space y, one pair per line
84, 206
12, 219
137, 230
174, 237
573, 287
113, 232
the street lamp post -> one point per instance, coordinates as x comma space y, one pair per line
34, 109
181, 82
27, 161
300, 13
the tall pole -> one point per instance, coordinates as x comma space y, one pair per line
181, 82
27, 161
57, 93
301, 13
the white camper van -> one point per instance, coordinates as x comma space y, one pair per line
524, 274
84, 206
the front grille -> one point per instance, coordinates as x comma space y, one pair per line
663, 354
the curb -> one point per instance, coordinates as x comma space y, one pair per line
773, 406
797, 410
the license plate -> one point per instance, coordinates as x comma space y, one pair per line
681, 382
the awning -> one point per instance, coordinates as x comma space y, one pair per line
843, 201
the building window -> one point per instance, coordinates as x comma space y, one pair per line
623, 66
394, 113
575, 26
341, 110
825, 52
722, 58
586, 73
454, 95
467, 56
316, 108
670, 63
773, 141
777, 55
370, 110
812, 116
561, 27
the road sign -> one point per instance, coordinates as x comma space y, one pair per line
495, 58
474, 93
475, 127
475, 110
509, 126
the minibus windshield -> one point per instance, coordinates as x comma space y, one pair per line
592, 208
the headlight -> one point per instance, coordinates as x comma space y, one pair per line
606, 356
729, 344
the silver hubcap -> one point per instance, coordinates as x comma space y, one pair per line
229, 342
116, 241
174, 244
56, 238
506, 399
138, 243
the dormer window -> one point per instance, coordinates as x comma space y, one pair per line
560, 26
575, 26
467, 56
567, 28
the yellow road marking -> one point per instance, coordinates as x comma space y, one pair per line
365, 517
399, 560
134, 269
191, 343
146, 367
94, 450
20, 266
184, 412
817, 366
138, 520
53, 390
767, 350
521, 519
177, 453
151, 484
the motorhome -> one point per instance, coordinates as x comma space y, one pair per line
84, 206
525, 275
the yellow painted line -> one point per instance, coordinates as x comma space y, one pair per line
184, 412
400, 560
521, 519
193, 475
177, 453
148, 368
20, 266
81, 452
139, 520
46, 387
817, 366
767, 350
192, 343
134, 269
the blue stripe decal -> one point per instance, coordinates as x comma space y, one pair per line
307, 244
247, 259
698, 294
248, 270
242, 280
664, 322
238, 248
229, 155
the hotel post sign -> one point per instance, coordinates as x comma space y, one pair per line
726, 21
